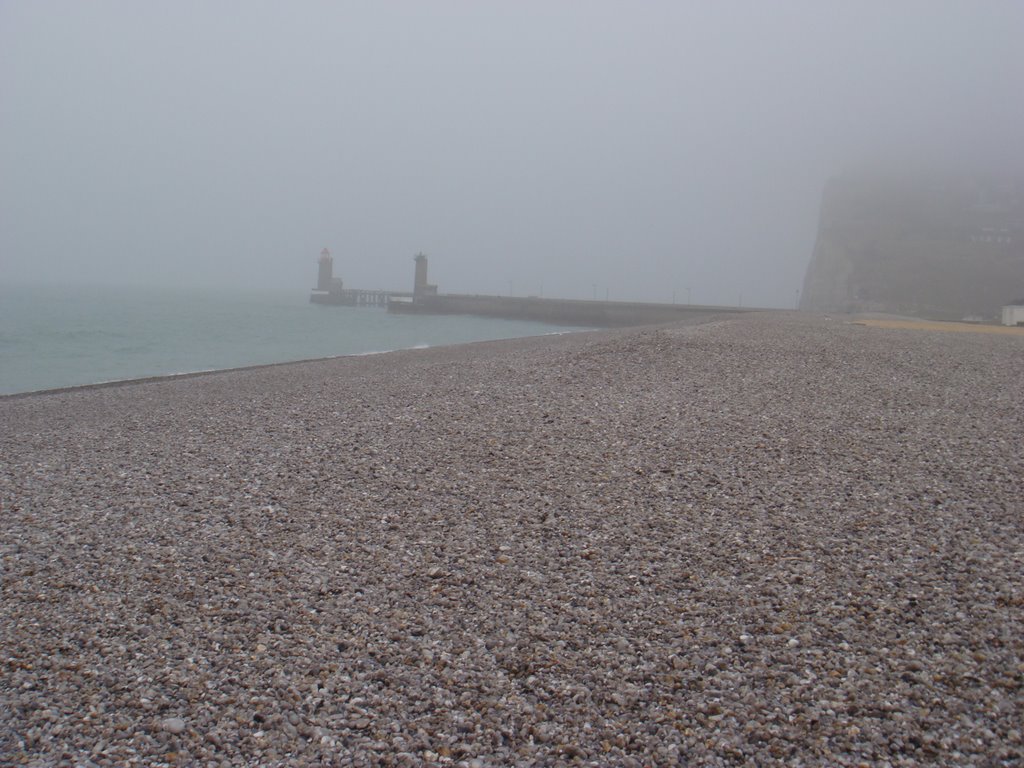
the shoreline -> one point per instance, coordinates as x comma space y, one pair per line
258, 366
769, 540
127, 337
856, 319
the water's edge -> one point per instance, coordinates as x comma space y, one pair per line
214, 371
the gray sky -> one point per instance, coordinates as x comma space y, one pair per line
558, 147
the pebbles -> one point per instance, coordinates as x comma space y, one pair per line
776, 540
173, 725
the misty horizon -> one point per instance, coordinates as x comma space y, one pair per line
639, 152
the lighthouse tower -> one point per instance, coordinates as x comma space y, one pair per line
420, 281
420, 286
326, 271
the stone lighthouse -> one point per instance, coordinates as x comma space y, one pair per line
420, 286
325, 275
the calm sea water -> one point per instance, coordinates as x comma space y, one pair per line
62, 336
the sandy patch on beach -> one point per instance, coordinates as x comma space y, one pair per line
947, 327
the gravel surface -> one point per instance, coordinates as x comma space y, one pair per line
777, 540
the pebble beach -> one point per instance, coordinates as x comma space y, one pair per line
774, 539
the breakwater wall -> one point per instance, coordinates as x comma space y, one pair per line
581, 312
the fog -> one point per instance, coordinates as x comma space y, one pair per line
634, 150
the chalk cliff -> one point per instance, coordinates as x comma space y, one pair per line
946, 249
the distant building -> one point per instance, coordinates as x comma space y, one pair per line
1013, 314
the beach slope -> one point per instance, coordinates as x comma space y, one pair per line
777, 539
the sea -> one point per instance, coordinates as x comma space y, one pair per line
64, 336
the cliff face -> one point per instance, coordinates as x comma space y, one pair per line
942, 248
